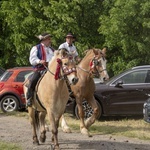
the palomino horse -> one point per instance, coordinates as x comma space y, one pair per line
93, 63
51, 96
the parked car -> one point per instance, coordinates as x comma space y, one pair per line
121, 95
11, 89
2, 71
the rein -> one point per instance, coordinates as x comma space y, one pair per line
64, 68
48, 70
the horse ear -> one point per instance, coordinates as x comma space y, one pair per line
104, 50
96, 51
64, 52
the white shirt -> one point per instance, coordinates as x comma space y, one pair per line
71, 49
34, 60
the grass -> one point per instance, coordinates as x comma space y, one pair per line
9, 146
129, 127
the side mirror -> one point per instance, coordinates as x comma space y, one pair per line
119, 83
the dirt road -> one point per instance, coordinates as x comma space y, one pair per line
18, 130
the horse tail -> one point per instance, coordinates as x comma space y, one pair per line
37, 120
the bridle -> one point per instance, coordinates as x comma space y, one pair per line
94, 64
62, 71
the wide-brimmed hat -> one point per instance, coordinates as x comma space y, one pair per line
43, 36
69, 35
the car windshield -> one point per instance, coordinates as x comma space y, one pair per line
6, 75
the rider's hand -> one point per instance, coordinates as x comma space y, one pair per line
43, 62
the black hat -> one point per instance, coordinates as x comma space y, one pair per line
69, 35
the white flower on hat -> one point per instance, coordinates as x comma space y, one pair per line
42, 37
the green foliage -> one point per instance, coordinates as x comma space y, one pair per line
125, 26
122, 26
24, 19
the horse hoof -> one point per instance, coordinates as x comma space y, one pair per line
90, 135
43, 139
66, 130
85, 131
56, 147
36, 143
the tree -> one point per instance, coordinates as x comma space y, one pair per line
126, 29
25, 19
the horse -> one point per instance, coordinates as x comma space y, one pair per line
94, 63
51, 96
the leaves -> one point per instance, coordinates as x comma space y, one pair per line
122, 26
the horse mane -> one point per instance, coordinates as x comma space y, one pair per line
63, 52
89, 51
96, 51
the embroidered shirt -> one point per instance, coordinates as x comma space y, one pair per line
34, 60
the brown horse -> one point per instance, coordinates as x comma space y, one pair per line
94, 62
51, 96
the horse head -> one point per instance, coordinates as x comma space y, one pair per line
98, 65
66, 67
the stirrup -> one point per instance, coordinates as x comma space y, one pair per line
29, 102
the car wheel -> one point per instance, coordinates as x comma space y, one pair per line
88, 111
9, 103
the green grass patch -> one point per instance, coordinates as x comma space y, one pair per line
15, 113
9, 146
135, 128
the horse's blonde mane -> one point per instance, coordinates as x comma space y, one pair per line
89, 51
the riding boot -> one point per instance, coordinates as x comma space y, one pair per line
31, 87
29, 98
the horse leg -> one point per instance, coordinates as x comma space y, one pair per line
64, 125
56, 146
42, 116
83, 128
54, 130
31, 112
92, 119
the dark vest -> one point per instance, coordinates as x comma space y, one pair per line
40, 55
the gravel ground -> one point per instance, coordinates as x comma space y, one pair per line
18, 130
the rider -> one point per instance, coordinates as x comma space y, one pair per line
39, 57
70, 46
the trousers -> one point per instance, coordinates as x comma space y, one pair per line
32, 83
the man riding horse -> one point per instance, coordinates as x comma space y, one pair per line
39, 57
70, 47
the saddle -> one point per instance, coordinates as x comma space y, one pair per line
36, 101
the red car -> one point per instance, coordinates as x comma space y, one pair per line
11, 88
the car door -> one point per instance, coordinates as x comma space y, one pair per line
127, 98
18, 81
